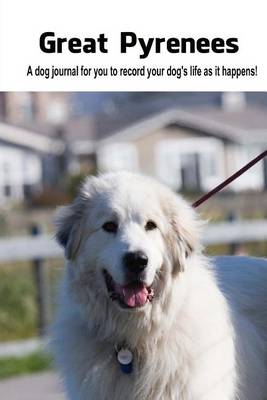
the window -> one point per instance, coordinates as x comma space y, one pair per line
7, 190
118, 156
189, 164
25, 106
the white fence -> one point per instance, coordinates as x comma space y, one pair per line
37, 249
44, 246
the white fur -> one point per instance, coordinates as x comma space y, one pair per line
204, 335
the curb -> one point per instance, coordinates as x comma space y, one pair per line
22, 348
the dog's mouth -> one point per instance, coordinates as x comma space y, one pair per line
132, 295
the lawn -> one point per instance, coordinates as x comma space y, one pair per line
35, 362
18, 311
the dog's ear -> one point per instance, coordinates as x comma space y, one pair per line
69, 220
68, 223
185, 232
185, 228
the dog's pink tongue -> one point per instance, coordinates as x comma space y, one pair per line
134, 295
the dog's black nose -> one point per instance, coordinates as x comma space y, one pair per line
135, 261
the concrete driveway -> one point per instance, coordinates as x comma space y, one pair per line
44, 386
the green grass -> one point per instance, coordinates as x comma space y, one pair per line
252, 249
35, 362
18, 311
18, 314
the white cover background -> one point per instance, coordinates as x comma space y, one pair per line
22, 22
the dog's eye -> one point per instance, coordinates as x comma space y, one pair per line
110, 226
150, 225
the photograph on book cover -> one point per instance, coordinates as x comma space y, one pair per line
136, 323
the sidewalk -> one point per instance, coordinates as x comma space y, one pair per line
44, 386
22, 348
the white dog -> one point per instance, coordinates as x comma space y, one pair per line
143, 314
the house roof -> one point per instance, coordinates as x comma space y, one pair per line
84, 134
28, 139
244, 126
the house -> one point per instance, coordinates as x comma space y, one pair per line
34, 108
191, 150
28, 160
32, 150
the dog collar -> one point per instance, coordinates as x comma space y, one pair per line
125, 360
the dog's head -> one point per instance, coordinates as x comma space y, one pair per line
126, 237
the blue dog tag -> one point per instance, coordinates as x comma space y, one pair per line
125, 359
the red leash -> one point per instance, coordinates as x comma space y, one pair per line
229, 180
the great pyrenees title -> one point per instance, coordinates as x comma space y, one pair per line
51, 43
